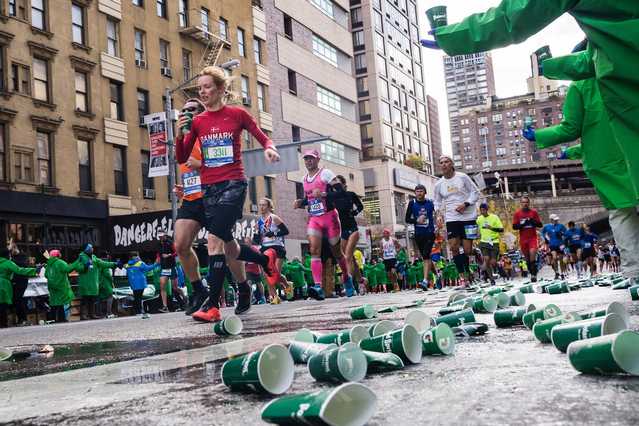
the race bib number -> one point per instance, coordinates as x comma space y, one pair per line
316, 207
217, 152
471, 232
575, 237
587, 245
389, 253
192, 182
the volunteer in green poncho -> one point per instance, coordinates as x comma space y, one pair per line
105, 292
612, 28
295, 271
7, 269
88, 266
381, 276
371, 276
60, 293
584, 116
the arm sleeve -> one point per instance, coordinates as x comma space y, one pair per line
511, 22
282, 230
577, 66
104, 264
474, 191
248, 122
574, 152
499, 224
570, 127
437, 198
27, 272
409, 213
358, 204
516, 224
146, 268
537, 220
184, 144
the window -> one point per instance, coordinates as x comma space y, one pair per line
41, 79
44, 158
288, 27
252, 187
164, 54
23, 166
115, 102
183, 13
358, 40
160, 7
186, 64
112, 37
360, 63
326, 6
204, 19
356, 17
257, 50
21, 79
84, 165
81, 92
381, 65
333, 152
119, 170
138, 3
383, 88
240, 42
362, 86
268, 186
38, 17
329, 101
296, 134
324, 50
261, 97
140, 55
77, 24
497, 118
147, 182
364, 110
292, 82
224, 28
387, 135
245, 89
3, 150
385, 110
143, 105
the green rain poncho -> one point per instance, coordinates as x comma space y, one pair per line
380, 274
7, 269
612, 28
57, 275
295, 272
585, 117
105, 282
89, 270
370, 274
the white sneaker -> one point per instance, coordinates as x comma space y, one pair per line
146, 316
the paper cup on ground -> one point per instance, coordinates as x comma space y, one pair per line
558, 288
482, 304
457, 318
438, 341
388, 310
437, 16
303, 351
270, 370
420, 320
517, 298
450, 309
514, 316
541, 329
404, 342
381, 327
612, 308
457, 297
611, 353
354, 334
305, 335
229, 326
350, 404
494, 290
382, 362
527, 288
346, 363
564, 334
622, 285
634, 292
549, 311
470, 329
5, 353
363, 312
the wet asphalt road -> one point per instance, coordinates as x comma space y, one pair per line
503, 377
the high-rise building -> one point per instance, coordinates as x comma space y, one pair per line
312, 96
392, 107
433, 127
470, 82
76, 79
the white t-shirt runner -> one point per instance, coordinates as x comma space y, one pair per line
388, 249
450, 193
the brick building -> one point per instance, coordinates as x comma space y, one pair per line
433, 128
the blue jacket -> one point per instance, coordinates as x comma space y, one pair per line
574, 236
554, 234
135, 270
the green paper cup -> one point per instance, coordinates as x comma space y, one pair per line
527, 288
420, 320
404, 342
503, 300
517, 298
350, 404
558, 288
574, 287
470, 329
437, 16
564, 334
612, 308
458, 297
187, 126
634, 292
388, 310
541, 330
494, 290
514, 316
622, 285
457, 318
305, 335
354, 334
550, 311
382, 362
612, 353
381, 327
482, 304
270, 370
346, 363
230, 326
450, 309
5, 353
303, 351
363, 312
439, 340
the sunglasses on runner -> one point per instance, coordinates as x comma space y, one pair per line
192, 109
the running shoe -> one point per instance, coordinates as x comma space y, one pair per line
163, 310
276, 300
262, 301
243, 304
200, 296
208, 313
316, 292
533, 279
348, 286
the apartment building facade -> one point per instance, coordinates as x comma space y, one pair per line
434, 131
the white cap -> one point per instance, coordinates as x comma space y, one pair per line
554, 217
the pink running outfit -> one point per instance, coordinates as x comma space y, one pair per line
321, 219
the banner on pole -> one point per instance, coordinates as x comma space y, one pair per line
159, 150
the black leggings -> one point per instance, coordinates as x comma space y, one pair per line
4, 315
137, 305
56, 313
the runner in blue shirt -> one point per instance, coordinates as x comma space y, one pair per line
588, 254
574, 238
554, 235
420, 213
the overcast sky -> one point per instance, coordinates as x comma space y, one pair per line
511, 64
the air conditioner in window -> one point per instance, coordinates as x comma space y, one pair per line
140, 63
253, 208
246, 100
149, 194
166, 72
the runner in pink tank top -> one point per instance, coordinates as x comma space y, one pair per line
323, 221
